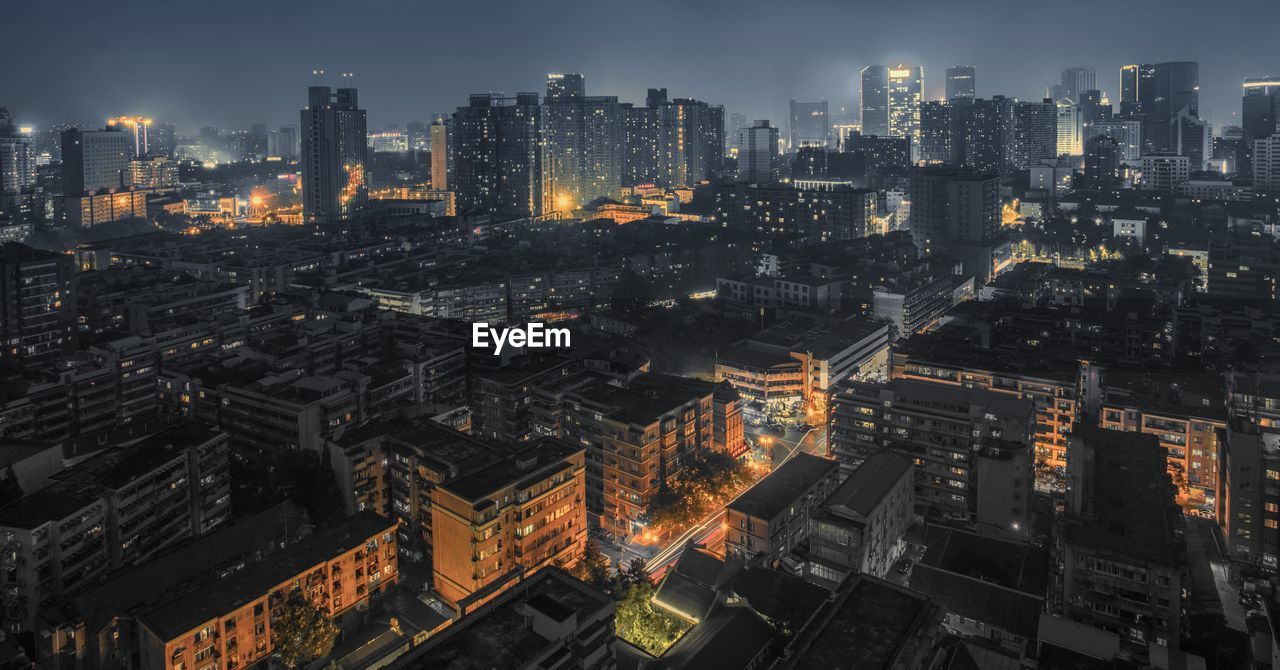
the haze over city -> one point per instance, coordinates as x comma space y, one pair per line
242, 62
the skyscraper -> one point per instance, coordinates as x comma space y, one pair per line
17, 159
810, 125
93, 160
1101, 164
953, 206
937, 129
1035, 131
690, 141
283, 143
1157, 95
37, 304
1077, 80
1126, 133
1069, 130
961, 82
439, 155
1259, 116
906, 85
758, 153
138, 128
640, 142
875, 100
978, 133
334, 155
565, 87
584, 142
498, 156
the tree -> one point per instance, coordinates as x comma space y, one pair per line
302, 632
593, 567
10, 489
632, 573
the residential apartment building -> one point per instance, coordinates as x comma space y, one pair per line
491, 528
1121, 548
861, 527
972, 449
768, 520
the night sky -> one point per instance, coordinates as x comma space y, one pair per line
238, 62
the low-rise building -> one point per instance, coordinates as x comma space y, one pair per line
992, 589
861, 526
772, 517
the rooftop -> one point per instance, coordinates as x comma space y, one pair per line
499, 635
773, 494
864, 488
532, 463
872, 623
983, 578
181, 616
1128, 499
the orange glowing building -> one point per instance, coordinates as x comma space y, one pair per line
500, 524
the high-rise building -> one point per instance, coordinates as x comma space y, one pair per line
93, 160
1156, 95
1193, 138
1266, 164
584, 138
1069, 129
1092, 107
1035, 133
565, 87
953, 206
758, 153
973, 132
17, 158
973, 449
937, 131
1127, 134
498, 155
1102, 159
640, 143
962, 82
136, 126
1259, 115
906, 86
690, 141
335, 148
1077, 80
810, 125
164, 140
875, 100
541, 489
38, 319
439, 155
283, 143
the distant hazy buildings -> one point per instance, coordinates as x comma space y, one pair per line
810, 125
93, 160
906, 86
1076, 81
334, 155
758, 153
1155, 95
961, 82
439, 156
875, 100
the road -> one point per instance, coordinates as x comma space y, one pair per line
709, 531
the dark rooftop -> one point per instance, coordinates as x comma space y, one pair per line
864, 488
771, 495
995, 581
534, 461
1128, 500
181, 616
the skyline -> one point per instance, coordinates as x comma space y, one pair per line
409, 69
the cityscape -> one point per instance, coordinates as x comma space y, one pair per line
929, 350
